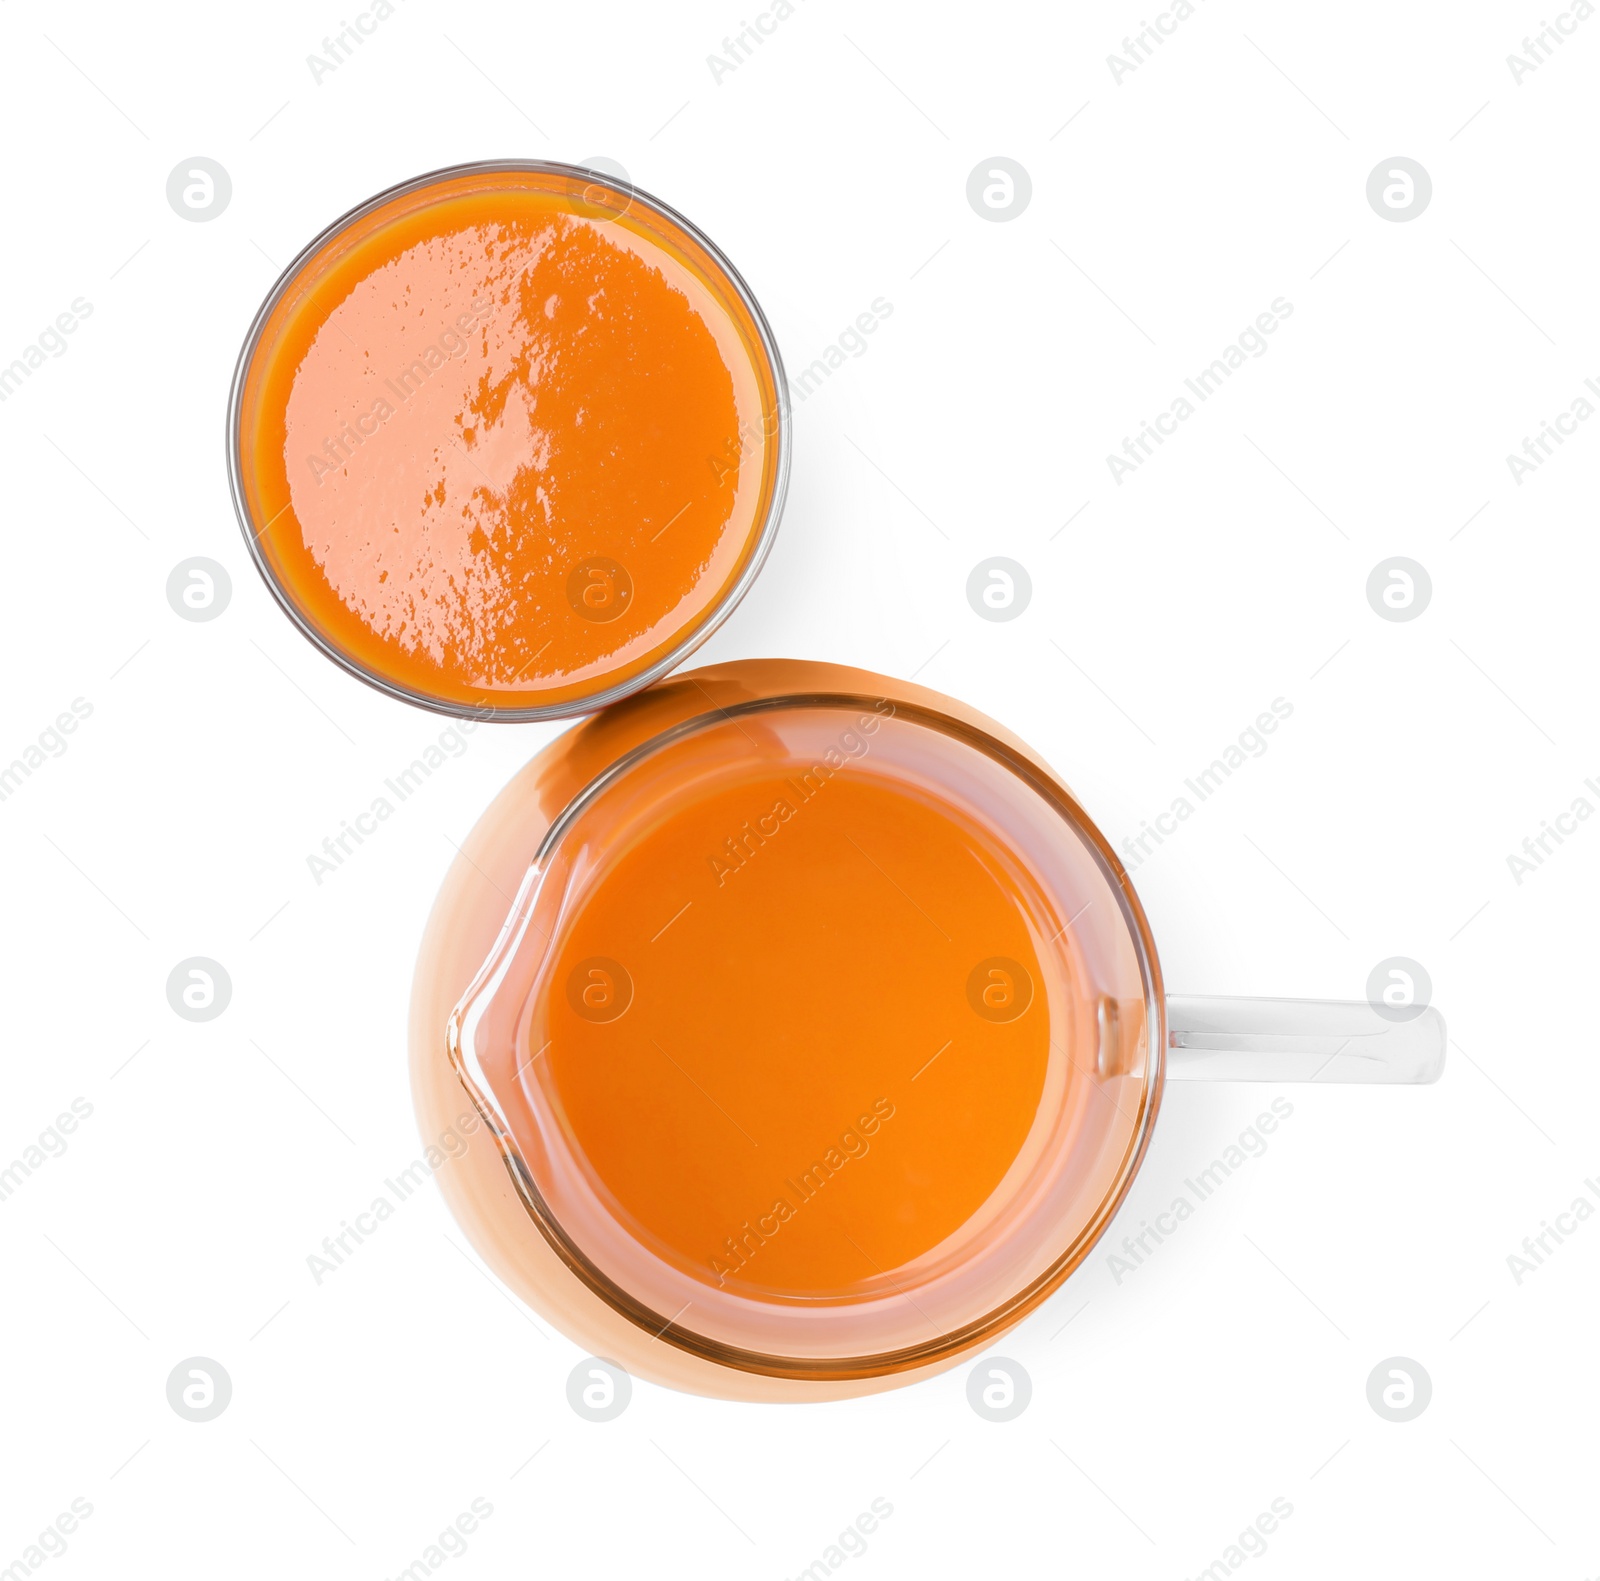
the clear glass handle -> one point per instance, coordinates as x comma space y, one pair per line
1323, 1040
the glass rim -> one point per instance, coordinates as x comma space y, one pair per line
761, 539
969, 1335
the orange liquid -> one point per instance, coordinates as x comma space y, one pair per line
503, 447
800, 1095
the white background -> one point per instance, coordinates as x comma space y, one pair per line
1231, 1368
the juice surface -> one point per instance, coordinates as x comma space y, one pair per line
800, 1092
503, 450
